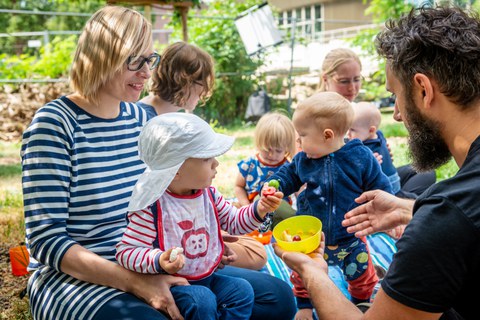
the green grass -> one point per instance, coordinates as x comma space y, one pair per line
394, 130
9, 149
10, 170
11, 201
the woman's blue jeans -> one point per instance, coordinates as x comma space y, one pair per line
273, 300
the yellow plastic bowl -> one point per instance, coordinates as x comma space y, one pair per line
309, 228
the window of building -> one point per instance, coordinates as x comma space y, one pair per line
308, 23
317, 22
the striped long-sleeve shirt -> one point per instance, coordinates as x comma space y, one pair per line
78, 172
191, 222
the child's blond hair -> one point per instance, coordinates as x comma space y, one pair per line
275, 130
327, 110
367, 114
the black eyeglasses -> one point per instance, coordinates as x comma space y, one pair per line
135, 63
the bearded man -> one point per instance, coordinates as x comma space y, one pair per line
433, 69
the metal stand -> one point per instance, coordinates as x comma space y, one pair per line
292, 43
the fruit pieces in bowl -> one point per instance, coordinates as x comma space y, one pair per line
306, 230
299, 236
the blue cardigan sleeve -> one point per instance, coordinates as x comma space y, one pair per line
289, 177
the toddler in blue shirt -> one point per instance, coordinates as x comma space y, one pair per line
335, 173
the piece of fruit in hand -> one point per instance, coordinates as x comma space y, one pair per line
268, 191
274, 183
174, 254
271, 188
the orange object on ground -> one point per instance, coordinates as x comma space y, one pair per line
19, 260
264, 237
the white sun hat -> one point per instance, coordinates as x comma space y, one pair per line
164, 144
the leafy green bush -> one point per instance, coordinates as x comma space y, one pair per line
219, 37
16, 67
53, 62
56, 57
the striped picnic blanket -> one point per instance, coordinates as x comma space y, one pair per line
382, 247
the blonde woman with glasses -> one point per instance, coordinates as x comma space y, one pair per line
80, 163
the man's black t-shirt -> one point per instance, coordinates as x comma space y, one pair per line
437, 265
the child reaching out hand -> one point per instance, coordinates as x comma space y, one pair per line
174, 207
274, 138
335, 174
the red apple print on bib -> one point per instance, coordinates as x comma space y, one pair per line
195, 242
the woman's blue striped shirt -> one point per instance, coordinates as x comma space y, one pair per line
78, 172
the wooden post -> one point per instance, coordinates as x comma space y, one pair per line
183, 15
182, 8
148, 13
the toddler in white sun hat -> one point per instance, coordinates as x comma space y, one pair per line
175, 216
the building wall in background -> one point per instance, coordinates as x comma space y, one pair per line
312, 17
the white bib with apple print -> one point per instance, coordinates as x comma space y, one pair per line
191, 222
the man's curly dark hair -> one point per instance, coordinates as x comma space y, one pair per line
442, 43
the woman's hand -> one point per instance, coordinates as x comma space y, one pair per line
155, 290
380, 211
229, 255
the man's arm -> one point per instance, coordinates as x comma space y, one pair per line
330, 303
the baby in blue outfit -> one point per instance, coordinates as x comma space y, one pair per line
365, 128
335, 173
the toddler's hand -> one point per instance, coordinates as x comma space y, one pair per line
172, 260
269, 201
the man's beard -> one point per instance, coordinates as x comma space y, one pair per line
427, 148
